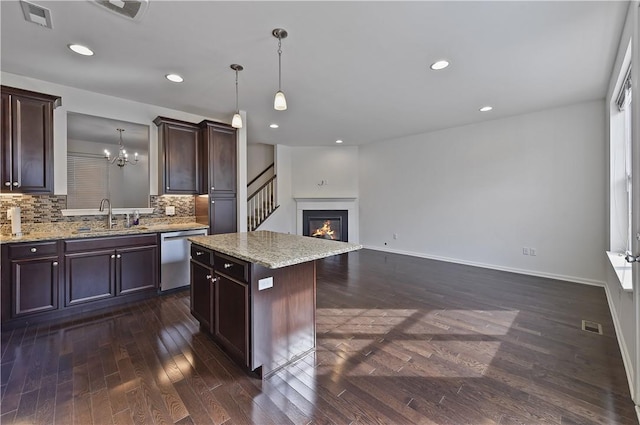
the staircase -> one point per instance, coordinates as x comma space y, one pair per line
261, 203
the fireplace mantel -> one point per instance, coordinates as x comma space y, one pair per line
339, 203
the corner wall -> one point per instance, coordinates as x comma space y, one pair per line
480, 193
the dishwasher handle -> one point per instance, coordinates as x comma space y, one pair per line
166, 238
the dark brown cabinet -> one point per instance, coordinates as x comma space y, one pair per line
102, 268
202, 287
27, 141
219, 177
262, 318
232, 317
89, 276
34, 273
179, 157
46, 280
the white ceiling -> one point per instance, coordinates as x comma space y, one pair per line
357, 71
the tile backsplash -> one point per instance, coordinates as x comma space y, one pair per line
43, 209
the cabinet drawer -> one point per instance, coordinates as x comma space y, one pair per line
232, 267
32, 250
201, 255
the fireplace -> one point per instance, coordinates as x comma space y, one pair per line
326, 224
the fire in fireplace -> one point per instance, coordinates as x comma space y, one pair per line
326, 224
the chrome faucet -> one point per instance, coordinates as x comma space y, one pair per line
109, 216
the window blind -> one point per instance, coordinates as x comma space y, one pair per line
87, 180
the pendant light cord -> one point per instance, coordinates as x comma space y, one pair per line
237, 110
279, 64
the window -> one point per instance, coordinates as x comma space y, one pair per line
620, 165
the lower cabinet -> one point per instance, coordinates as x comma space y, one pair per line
232, 316
220, 300
44, 280
33, 273
106, 267
202, 295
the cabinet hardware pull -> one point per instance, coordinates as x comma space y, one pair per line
228, 265
213, 202
209, 276
212, 188
118, 256
55, 263
113, 256
34, 249
215, 279
7, 184
199, 252
167, 187
15, 184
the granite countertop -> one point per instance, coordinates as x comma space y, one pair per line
272, 249
78, 233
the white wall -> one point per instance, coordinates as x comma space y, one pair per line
480, 193
336, 166
259, 157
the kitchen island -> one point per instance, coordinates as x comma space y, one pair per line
255, 294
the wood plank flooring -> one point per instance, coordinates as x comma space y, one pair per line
401, 340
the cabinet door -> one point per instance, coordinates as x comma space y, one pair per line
5, 145
202, 297
222, 216
32, 144
35, 285
222, 160
179, 157
232, 317
136, 269
89, 276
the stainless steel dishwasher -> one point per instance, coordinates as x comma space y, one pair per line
174, 258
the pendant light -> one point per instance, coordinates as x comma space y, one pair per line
279, 102
236, 122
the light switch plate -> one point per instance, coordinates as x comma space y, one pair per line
170, 210
265, 283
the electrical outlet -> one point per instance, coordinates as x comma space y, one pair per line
170, 210
532, 252
525, 251
395, 236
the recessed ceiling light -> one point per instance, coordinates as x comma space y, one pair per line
174, 77
441, 64
338, 141
274, 125
486, 108
80, 49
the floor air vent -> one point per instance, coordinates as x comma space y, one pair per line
590, 326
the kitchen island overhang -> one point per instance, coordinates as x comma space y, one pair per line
262, 294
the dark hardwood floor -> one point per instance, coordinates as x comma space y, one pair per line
400, 340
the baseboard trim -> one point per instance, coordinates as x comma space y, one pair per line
622, 344
573, 279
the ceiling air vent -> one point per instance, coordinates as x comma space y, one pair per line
130, 9
36, 14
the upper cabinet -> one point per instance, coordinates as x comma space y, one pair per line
219, 154
27, 141
179, 157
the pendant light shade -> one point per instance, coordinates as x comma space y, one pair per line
279, 102
236, 122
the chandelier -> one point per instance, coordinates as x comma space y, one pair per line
122, 158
